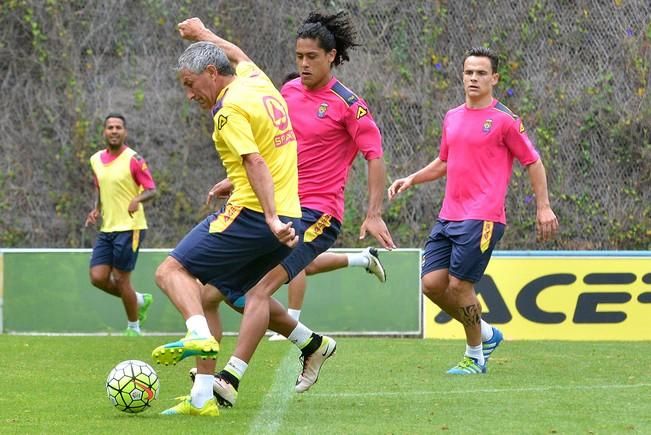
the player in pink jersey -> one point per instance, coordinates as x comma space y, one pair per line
332, 125
479, 141
122, 183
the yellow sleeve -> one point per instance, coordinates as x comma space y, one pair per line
235, 130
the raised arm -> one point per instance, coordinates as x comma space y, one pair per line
193, 29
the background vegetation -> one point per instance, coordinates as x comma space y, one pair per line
577, 72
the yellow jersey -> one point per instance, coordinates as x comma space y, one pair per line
116, 190
251, 116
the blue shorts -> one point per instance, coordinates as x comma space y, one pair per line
231, 250
318, 232
464, 247
118, 249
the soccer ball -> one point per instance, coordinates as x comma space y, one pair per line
132, 385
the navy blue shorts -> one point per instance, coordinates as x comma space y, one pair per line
318, 232
232, 250
464, 247
118, 249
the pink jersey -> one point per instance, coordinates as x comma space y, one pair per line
139, 169
479, 146
332, 125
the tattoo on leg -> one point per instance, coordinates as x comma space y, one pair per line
470, 315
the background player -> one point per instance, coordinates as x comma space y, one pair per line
122, 183
479, 142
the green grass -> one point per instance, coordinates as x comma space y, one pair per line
373, 385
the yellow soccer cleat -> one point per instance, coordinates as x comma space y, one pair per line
186, 407
171, 353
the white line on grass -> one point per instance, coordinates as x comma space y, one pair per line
276, 401
483, 390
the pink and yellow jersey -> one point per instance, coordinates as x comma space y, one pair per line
332, 125
120, 179
251, 117
479, 146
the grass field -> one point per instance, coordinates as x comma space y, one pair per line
372, 385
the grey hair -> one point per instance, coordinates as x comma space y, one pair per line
199, 55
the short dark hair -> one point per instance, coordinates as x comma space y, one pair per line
116, 115
331, 31
483, 52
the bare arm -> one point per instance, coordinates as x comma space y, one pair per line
435, 170
373, 223
193, 29
263, 186
546, 221
145, 196
221, 190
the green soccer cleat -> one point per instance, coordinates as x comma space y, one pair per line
142, 310
131, 333
186, 407
171, 353
467, 366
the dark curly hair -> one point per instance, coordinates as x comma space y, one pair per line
332, 32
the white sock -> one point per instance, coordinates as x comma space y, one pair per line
236, 367
201, 390
134, 325
300, 335
140, 299
476, 353
357, 260
198, 325
486, 331
295, 314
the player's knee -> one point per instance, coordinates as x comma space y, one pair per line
257, 296
433, 287
98, 279
164, 270
210, 300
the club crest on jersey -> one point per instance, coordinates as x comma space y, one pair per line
323, 108
488, 124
